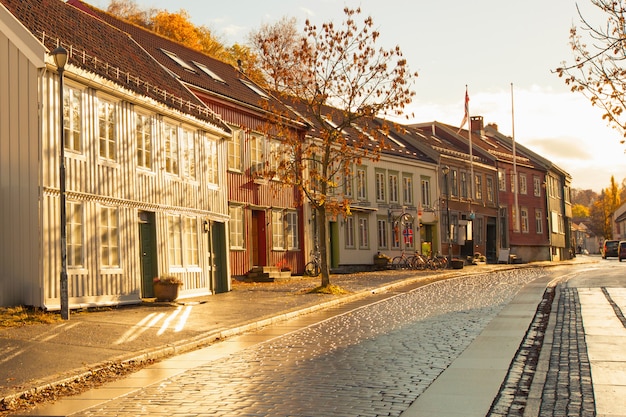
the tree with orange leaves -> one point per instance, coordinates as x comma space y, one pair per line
342, 81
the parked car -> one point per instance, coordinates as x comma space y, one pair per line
621, 250
609, 248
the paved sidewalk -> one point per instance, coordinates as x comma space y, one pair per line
33, 357
46, 354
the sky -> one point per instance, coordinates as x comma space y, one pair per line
503, 51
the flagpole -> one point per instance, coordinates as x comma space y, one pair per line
471, 150
516, 224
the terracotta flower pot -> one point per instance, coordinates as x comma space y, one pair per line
165, 291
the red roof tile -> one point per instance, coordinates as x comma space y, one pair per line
106, 51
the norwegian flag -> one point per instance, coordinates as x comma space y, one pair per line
466, 116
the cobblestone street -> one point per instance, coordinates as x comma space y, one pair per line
370, 362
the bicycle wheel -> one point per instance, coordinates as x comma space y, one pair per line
312, 269
398, 262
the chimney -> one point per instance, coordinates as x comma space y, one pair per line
493, 126
476, 123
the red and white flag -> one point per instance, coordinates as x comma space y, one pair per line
466, 115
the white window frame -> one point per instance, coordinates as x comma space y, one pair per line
407, 189
361, 184
72, 118
536, 186
478, 186
75, 220
257, 147
364, 241
524, 223
501, 179
523, 186
171, 149
380, 186
234, 150
393, 188
188, 146
144, 136
107, 129
382, 233
191, 242
349, 224
212, 163
426, 191
236, 227
109, 229
539, 221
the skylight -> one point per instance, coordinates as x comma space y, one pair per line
394, 140
208, 72
255, 88
178, 60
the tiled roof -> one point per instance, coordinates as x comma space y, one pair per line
106, 51
396, 144
188, 64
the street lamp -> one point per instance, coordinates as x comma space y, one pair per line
60, 59
446, 170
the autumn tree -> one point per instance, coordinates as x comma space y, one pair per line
342, 80
602, 210
178, 26
598, 70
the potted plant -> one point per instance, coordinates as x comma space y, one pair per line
166, 287
381, 261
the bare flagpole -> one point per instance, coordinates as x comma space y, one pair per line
516, 224
471, 149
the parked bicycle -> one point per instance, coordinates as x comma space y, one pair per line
314, 267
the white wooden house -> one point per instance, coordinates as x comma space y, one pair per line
145, 161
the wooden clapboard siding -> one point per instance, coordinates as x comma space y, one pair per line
20, 59
96, 182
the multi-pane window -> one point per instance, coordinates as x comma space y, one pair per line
188, 151
425, 181
537, 186
363, 233
75, 234
143, 133
361, 190
72, 118
501, 179
396, 234
538, 221
464, 185
234, 151
175, 242
380, 186
349, 232
454, 191
393, 188
407, 189
490, 190
256, 154
347, 185
277, 156
211, 161
478, 184
106, 128
170, 137
190, 235
278, 230
382, 233
523, 187
291, 222
524, 219
109, 237
236, 227
513, 185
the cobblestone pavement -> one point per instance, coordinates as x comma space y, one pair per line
373, 361
568, 389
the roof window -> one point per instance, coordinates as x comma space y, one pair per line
255, 88
178, 60
208, 72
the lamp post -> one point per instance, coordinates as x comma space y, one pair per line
60, 59
446, 171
